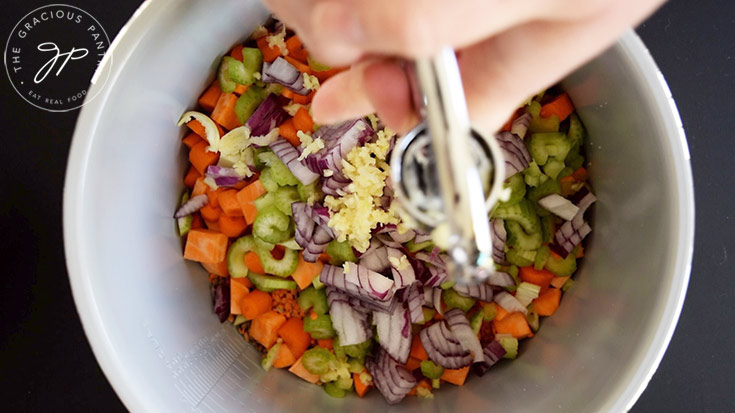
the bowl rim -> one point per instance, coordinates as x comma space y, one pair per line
80, 275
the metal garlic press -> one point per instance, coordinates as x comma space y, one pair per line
446, 174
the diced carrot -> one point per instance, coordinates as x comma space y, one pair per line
306, 271
245, 198
303, 99
191, 177
558, 282
197, 128
327, 343
196, 221
269, 53
200, 188
299, 370
252, 261
264, 328
228, 203
542, 278
417, 349
201, 158
288, 130
423, 383
224, 111
238, 290
209, 98
413, 364
325, 258
301, 67
514, 324
240, 89
285, 357
214, 197
217, 268
561, 106
326, 74
313, 315
296, 49
236, 52
205, 246
293, 334
287, 93
191, 139
256, 303
302, 120
210, 213
567, 179
547, 302
213, 225
501, 312
580, 251
580, 174
360, 387
232, 226
456, 376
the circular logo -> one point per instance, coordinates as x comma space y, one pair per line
52, 56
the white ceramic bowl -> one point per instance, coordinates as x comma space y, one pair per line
147, 312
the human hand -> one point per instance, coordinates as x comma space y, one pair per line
507, 49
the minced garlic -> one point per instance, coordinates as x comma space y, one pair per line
278, 40
310, 81
309, 144
399, 263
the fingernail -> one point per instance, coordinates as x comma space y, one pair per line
339, 22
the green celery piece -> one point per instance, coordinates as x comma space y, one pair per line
309, 193
533, 175
520, 258
553, 168
316, 360
235, 256
510, 344
269, 283
413, 247
521, 212
252, 59
248, 102
489, 311
476, 321
272, 225
430, 370
547, 228
542, 254
279, 171
543, 145
319, 327
313, 298
184, 223
358, 351
281, 268
226, 83
454, 300
544, 125
285, 196
333, 390
340, 252
551, 186
561, 266
266, 178
517, 237
517, 187
271, 356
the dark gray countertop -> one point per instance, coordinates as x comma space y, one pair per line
46, 362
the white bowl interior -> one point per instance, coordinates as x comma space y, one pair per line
148, 313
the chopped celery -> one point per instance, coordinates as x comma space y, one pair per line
344, 383
319, 327
309, 193
489, 311
551, 186
567, 285
509, 343
527, 292
248, 102
356, 365
265, 246
317, 283
266, 178
265, 201
315, 65
541, 255
565, 172
574, 161
430, 370
230, 71
239, 320
447, 285
533, 175
279, 171
476, 321
184, 223
545, 145
534, 108
269, 283
358, 351
548, 227
413, 247
561, 266
428, 314
533, 321
436, 383
544, 125
252, 59
340, 252
517, 237
522, 212
283, 267
553, 168
290, 244
316, 360
235, 256
333, 390
517, 187
313, 298
285, 196
339, 351
272, 88
271, 356
576, 130
454, 300
272, 225
521, 258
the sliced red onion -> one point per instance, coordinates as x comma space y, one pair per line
331, 186
339, 140
559, 206
375, 260
481, 291
304, 224
267, 116
421, 237
289, 155
402, 238
366, 306
360, 282
428, 296
394, 331
282, 72
388, 241
221, 301
571, 233
509, 303
414, 299
317, 244
391, 379
437, 277
443, 348
493, 352
434, 258
520, 125
436, 300
352, 326
500, 279
403, 276
517, 157
222, 176
460, 327
191, 206
499, 237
